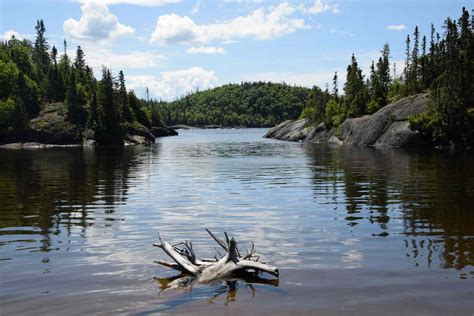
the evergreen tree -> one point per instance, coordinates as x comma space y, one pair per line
356, 95
123, 99
335, 90
407, 74
423, 64
76, 111
111, 127
415, 71
40, 50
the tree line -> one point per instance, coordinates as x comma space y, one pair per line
250, 104
444, 67
33, 75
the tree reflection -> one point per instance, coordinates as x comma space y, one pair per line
431, 193
228, 287
52, 192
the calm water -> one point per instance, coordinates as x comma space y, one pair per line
352, 230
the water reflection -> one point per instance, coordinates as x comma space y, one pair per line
430, 193
46, 194
228, 288
81, 222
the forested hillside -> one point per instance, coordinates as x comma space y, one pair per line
36, 80
442, 65
246, 104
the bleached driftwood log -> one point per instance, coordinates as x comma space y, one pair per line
228, 266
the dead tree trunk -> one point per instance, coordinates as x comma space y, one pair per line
210, 270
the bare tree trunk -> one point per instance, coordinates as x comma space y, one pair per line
210, 270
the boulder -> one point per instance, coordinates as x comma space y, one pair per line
290, 130
181, 126
51, 127
163, 131
136, 133
388, 127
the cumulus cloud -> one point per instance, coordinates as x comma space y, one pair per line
8, 35
210, 50
149, 3
319, 7
96, 24
196, 7
260, 24
98, 57
173, 84
396, 27
309, 79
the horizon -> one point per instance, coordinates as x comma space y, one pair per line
175, 48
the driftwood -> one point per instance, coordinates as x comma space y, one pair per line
229, 267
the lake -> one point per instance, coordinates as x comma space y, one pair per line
353, 230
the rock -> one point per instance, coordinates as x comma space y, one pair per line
51, 127
138, 134
333, 140
137, 140
321, 127
388, 127
181, 126
290, 130
163, 131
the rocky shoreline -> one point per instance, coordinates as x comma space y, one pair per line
388, 127
52, 129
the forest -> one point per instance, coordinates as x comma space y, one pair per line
34, 75
442, 65
249, 104
35, 78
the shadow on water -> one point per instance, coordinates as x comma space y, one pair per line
431, 193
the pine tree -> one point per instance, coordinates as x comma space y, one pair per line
40, 50
123, 99
407, 74
415, 71
76, 112
423, 64
335, 90
356, 94
111, 131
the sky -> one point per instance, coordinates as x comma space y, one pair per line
174, 47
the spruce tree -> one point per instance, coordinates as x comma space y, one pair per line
407, 74
40, 50
415, 71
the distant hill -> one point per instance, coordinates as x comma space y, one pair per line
257, 104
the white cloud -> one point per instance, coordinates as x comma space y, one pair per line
318, 78
173, 84
260, 24
210, 50
149, 3
243, 1
396, 27
319, 7
196, 7
96, 24
8, 35
96, 58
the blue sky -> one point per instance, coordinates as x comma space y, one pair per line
174, 47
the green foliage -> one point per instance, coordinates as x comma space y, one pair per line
7, 110
34, 81
248, 104
355, 89
307, 113
334, 113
